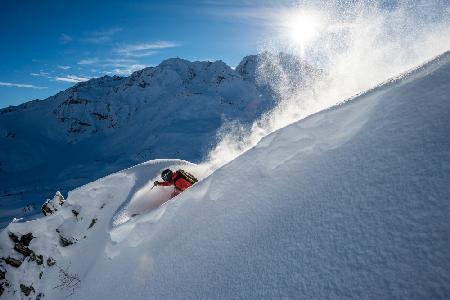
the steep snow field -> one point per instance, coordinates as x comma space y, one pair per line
110, 123
351, 202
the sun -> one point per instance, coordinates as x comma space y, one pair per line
302, 28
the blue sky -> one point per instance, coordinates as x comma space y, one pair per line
47, 46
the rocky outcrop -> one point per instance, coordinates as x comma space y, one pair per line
12, 261
51, 206
24, 250
27, 290
50, 261
20, 253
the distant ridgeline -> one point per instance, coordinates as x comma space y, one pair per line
106, 124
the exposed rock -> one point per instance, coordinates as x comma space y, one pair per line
50, 206
2, 286
2, 272
46, 210
13, 237
92, 223
65, 241
2, 289
39, 296
12, 261
27, 289
39, 259
26, 239
72, 101
50, 261
75, 213
2, 279
28, 208
23, 249
7, 109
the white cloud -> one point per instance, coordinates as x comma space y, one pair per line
65, 38
64, 67
141, 53
145, 49
42, 74
113, 61
103, 36
72, 78
123, 69
89, 61
21, 85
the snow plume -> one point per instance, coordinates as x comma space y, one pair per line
356, 48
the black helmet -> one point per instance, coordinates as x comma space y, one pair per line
166, 175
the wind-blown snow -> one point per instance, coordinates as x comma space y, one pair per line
107, 124
351, 202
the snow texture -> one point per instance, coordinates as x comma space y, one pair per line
110, 123
351, 202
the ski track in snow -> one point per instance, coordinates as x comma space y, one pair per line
143, 198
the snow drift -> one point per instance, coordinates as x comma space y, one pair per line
351, 202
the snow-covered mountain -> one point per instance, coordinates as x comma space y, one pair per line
106, 124
351, 202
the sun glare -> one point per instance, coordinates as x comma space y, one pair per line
302, 28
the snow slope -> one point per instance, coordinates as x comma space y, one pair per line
110, 123
351, 202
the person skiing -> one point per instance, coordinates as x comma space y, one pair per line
180, 179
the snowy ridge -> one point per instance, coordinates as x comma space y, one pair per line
75, 227
405, 77
110, 123
351, 202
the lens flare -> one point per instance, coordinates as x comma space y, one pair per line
303, 28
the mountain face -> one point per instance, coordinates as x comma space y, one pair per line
351, 202
110, 123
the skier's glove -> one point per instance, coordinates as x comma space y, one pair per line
156, 183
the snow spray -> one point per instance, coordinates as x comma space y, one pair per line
354, 47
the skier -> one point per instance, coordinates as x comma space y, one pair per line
180, 179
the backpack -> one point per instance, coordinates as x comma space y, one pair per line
186, 176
